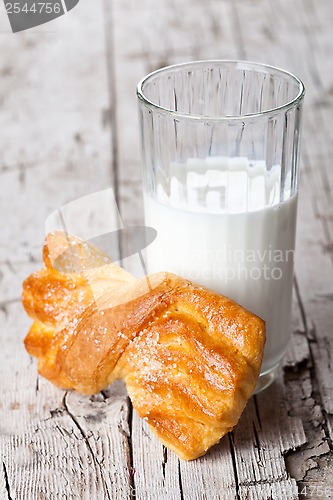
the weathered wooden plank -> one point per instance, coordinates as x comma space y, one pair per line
300, 390
155, 469
54, 98
293, 30
305, 464
318, 228
265, 432
212, 476
315, 273
103, 425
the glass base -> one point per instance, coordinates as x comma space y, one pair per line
267, 378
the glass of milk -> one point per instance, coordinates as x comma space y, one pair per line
220, 145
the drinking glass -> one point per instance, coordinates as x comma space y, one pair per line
220, 149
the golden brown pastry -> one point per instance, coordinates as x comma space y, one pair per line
190, 357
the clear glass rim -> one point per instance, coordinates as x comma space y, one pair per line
215, 62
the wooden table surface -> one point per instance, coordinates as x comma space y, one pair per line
69, 127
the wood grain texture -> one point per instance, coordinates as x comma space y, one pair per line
69, 127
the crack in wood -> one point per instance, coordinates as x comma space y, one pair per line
104, 394
5, 473
122, 431
257, 444
86, 440
62, 431
165, 459
234, 463
260, 482
180, 483
257, 411
316, 396
328, 348
311, 462
130, 450
303, 388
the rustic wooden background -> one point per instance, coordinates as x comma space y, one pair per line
68, 127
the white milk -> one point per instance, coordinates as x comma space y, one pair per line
221, 224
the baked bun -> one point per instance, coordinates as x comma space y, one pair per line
190, 357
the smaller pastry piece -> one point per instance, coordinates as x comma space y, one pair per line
190, 357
